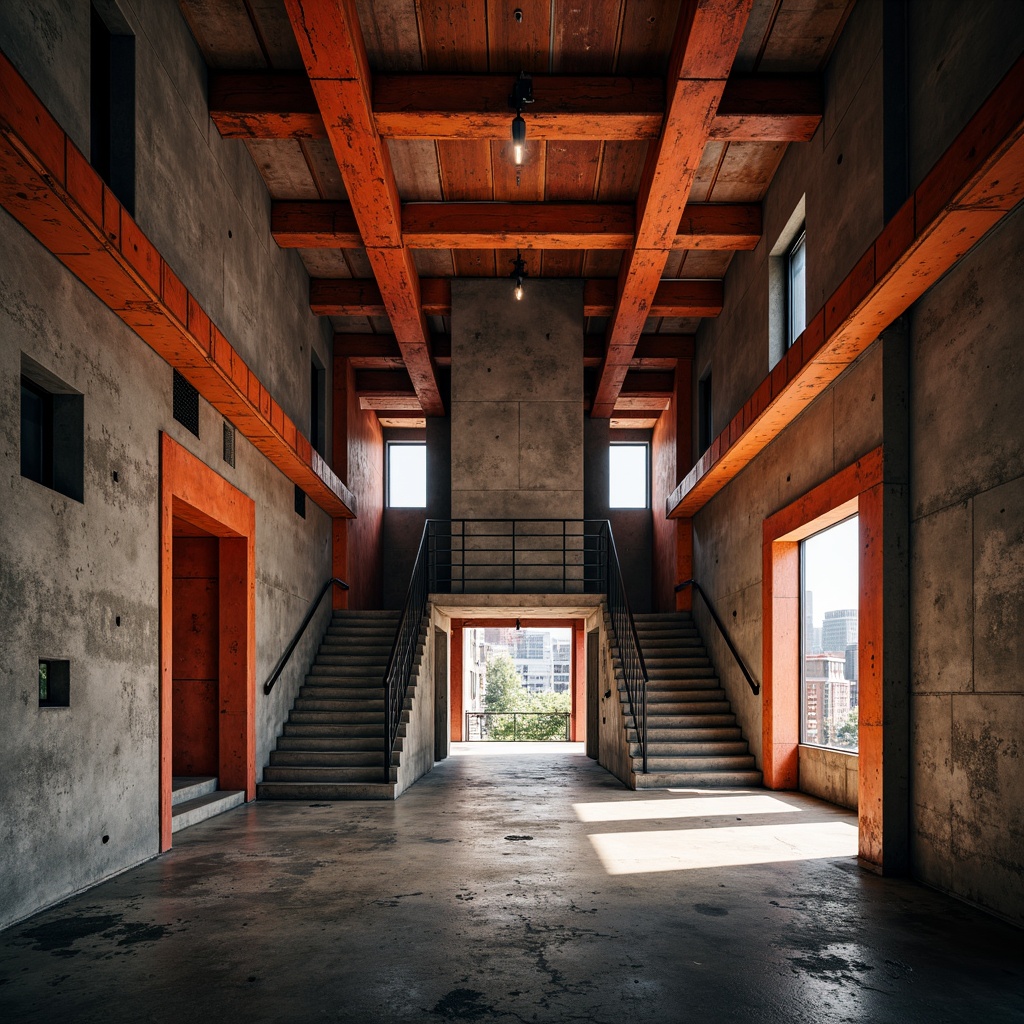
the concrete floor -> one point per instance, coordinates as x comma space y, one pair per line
526, 886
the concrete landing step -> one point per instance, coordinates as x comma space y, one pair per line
367, 772
188, 787
697, 780
696, 763
331, 758
325, 791
191, 812
338, 744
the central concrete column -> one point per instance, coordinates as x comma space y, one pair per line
517, 400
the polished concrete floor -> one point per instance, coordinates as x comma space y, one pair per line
524, 886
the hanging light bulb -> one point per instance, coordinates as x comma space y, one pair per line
522, 93
519, 273
518, 138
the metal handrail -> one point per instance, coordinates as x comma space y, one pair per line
754, 686
403, 651
565, 717
634, 669
332, 582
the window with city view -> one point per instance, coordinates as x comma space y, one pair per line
829, 585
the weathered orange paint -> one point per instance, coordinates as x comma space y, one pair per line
50, 188
193, 493
456, 680
578, 675
862, 482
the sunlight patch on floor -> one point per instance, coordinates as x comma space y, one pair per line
685, 807
626, 853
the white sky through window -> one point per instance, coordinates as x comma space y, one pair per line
627, 475
831, 571
407, 475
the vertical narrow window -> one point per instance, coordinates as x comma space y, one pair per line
407, 474
112, 103
829, 588
628, 475
704, 419
796, 299
317, 406
36, 433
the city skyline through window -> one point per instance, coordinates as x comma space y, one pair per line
829, 591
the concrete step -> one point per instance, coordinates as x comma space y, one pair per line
681, 748
354, 741
368, 663
330, 758
729, 763
664, 726
656, 672
374, 728
320, 773
191, 812
325, 791
708, 682
657, 710
698, 735
339, 704
340, 691
333, 679
188, 787
372, 716
684, 696
698, 780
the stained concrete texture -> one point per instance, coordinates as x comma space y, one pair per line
515, 886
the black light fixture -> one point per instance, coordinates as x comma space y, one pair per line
519, 273
522, 93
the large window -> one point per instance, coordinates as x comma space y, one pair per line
407, 474
52, 431
627, 475
829, 586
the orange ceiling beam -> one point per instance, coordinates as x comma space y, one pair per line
362, 297
331, 43
486, 225
707, 38
971, 188
282, 105
49, 187
381, 351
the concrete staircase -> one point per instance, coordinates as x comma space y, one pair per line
196, 797
692, 737
332, 747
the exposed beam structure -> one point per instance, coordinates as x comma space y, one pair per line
282, 105
707, 38
381, 351
977, 182
485, 225
331, 44
361, 297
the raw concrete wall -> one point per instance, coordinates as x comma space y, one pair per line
69, 570
517, 400
418, 742
966, 573
831, 775
967, 578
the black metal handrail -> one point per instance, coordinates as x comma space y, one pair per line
332, 582
485, 718
630, 654
754, 686
403, 652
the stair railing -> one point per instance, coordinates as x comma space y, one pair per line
289, 650
403, 652
754, 686
633, 667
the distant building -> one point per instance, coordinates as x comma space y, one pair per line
829, 697
839, 630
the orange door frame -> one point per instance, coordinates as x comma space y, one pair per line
577, 671
192, 491
857, 489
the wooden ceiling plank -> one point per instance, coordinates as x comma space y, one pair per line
704, 47
330, 40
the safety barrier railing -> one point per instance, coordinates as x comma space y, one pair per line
517, 726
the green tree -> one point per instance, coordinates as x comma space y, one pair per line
846, 734
504, 686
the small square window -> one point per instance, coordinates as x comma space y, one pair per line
54, 683
628, 476
407, 474
52, 431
